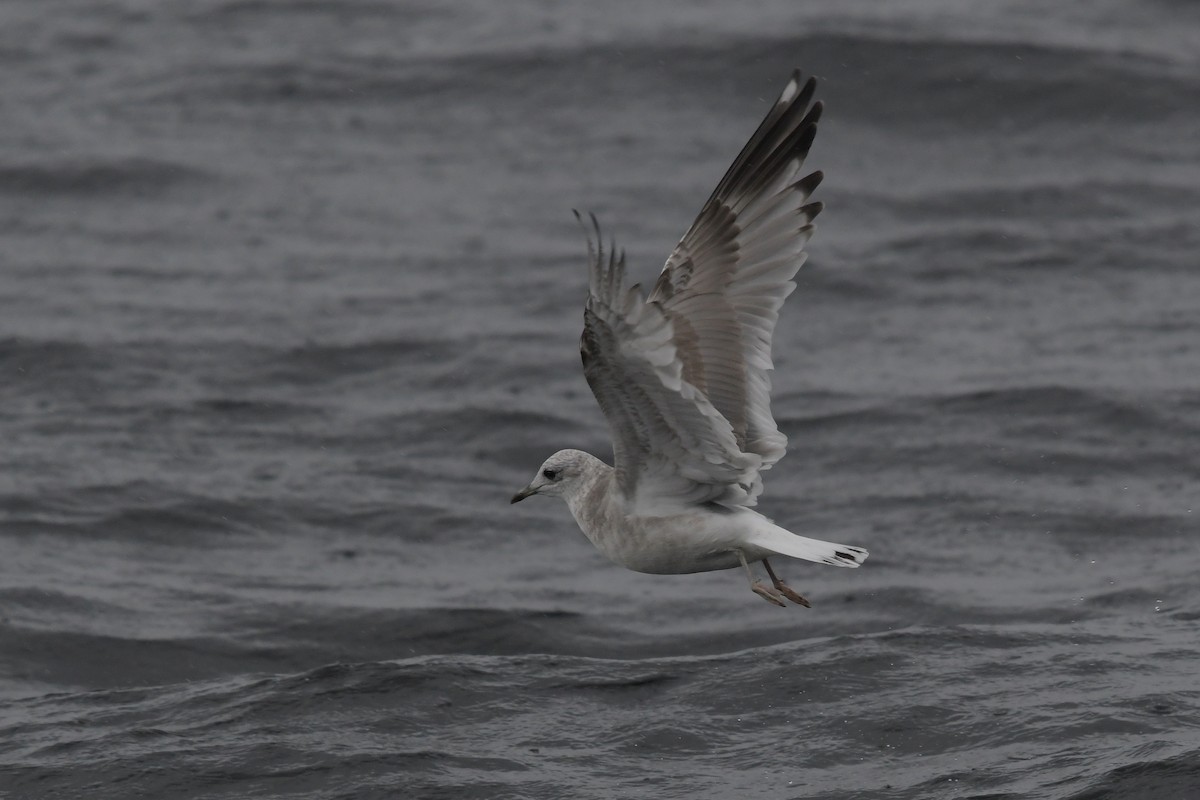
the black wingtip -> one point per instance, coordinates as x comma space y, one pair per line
813, 115
809, 183
809, 89
803, 97
804, 142
801, 93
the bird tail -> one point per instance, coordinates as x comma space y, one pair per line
785, 543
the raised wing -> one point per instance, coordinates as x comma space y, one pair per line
724, 284
671, 447
682, 377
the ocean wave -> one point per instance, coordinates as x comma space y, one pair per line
1020, 410
139, 510
507, 717
136, 176
1149, 779
326, 362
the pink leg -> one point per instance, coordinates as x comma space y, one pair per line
784, 589
765, 592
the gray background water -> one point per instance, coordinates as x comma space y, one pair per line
289, 301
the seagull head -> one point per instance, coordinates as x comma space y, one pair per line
559, 475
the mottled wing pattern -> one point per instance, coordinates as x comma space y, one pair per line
725, 282
671, 447
682, 376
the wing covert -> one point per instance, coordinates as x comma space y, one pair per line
671, 447
683, 376
730, 273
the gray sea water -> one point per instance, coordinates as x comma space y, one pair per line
290, 295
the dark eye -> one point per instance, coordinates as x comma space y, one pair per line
552, 474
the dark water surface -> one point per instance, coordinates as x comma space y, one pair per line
289, 301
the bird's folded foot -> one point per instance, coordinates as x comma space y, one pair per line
769, 594
792, 594
782, 588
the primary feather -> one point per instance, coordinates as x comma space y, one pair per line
682, 375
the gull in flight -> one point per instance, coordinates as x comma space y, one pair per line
682, 375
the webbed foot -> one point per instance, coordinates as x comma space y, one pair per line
769, 594
782, 588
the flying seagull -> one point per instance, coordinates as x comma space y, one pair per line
682, 375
